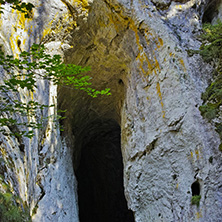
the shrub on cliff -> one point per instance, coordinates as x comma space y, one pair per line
211, 51
11, 209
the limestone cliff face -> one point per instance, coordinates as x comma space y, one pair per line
139, 50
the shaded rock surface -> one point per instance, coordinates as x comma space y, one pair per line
139, 50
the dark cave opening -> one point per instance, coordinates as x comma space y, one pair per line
211, 11
195, 187
100, 176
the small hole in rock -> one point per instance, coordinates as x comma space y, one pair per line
194, 6
22, 148
195, 187
211, 159
174, 176
121, 82
19, 43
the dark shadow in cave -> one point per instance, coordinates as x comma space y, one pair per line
195, 187
100, 176
211, 11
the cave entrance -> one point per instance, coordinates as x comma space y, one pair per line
195, 187
212, 12
100, 176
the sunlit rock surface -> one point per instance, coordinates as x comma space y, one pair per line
139, 50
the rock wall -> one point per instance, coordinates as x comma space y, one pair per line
139, 50
41, 171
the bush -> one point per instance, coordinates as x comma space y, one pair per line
210, 50
12, 209
195, 200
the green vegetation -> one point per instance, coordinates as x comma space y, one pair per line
211, 51
19, 115
211, 43
12, 209
21, 76
212, 99
195, 200
23, 7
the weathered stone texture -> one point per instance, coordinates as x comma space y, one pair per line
139, 50
41, 171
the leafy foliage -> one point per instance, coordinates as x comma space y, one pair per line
210, 50
195, 200
11, 209
23, 7
211, 42
22, 74
212, 99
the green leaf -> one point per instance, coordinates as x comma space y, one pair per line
23, 72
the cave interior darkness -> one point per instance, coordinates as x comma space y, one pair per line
100, 175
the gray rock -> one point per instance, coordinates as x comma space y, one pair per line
139, 50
